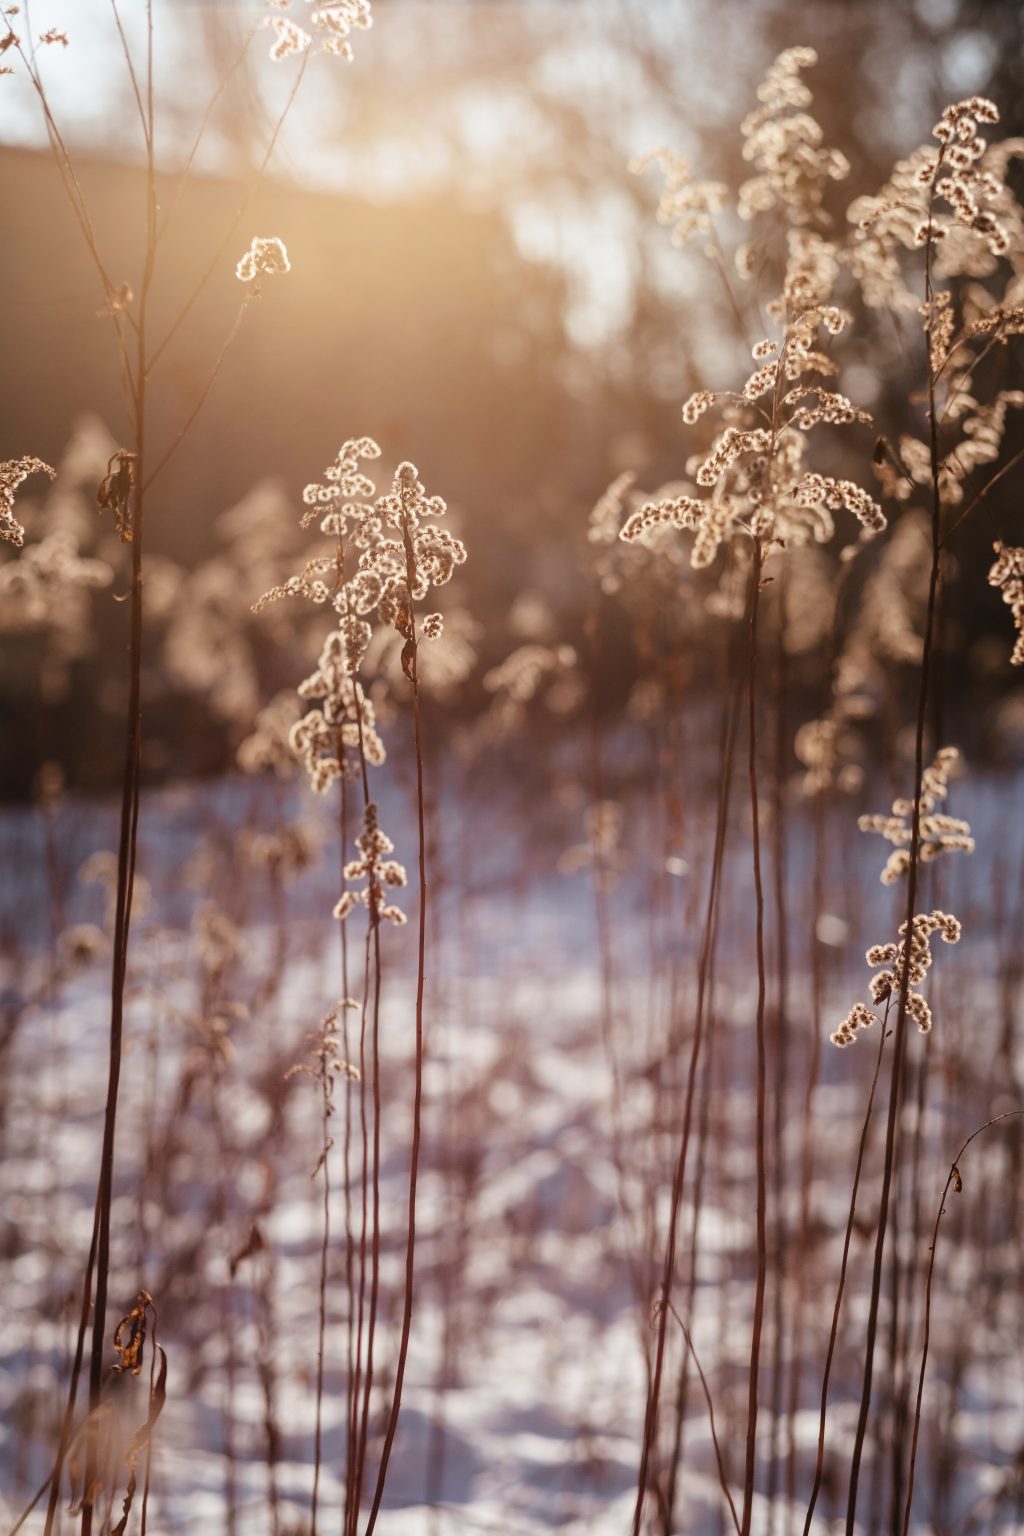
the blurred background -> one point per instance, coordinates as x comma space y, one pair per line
477, 281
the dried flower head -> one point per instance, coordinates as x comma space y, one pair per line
331, 740
343, 482
328, 24
395, 573
689, 206
909, 960
756, 468
939, 833
784, 144
265, 256
12, 473
376, 870
1008, 575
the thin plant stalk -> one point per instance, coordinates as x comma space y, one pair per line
806, 1149
899, 1042
325, 1243
421, 956
781, 1043
833, 1337
128, 839
668, 1265
761, 1061
723, 1481
135, 380
731, 710
953, 1180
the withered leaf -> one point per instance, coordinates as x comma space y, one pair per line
409, 660
130, 1336
116, 490
140, 1439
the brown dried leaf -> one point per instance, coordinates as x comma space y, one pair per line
130, 1336
116, 491
409, 660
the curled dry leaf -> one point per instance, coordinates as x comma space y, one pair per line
115, 492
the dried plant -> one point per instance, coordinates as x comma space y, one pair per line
12, 473
757, 485
1008, 575
787, 604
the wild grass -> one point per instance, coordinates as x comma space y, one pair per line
629, 1118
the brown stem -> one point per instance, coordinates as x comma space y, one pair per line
414, 1158
833, 1337
899, 1044
780, 1040
357, 1433
723, 1481
668, 1266
325, 1242
730, 724
218, 254
953, 1177
128, 840
761, 1065
806, 1149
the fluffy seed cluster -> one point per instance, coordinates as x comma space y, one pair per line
344, 491
674, 511
1008, 575
939, 833
785, 145
816, 490
427, 554
330, 740
912, 958
700, 401
400, 555
966, 186
328, 25
687, 205
953, 198
610, 509
757, 474
756, 468
265, 256
376, 870
394, 573
12, 474
902, 469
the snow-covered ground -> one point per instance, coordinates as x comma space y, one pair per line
553, 1095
